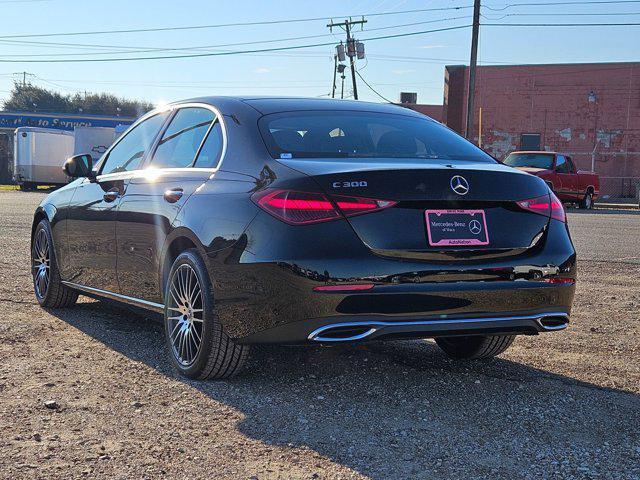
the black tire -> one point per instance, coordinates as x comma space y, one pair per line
475, 347
217, 355
28, 187
587, 201
55, 294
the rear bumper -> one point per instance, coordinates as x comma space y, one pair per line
264, 287
410, 310
354, 329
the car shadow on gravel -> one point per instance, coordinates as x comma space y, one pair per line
403, 410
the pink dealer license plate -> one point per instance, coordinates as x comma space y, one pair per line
456, 227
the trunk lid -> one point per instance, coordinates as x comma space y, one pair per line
419, 186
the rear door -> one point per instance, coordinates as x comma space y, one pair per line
155, 196
567, 179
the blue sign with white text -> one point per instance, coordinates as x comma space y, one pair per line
62, 121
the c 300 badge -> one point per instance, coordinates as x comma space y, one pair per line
355, 184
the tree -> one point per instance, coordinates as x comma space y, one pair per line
31, 98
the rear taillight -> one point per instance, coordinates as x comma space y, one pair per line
547, 205
301, 208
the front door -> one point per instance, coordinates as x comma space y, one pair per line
567, 179
91, 226
91, 230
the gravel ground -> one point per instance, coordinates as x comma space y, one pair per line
562, 405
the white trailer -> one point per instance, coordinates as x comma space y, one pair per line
38, 156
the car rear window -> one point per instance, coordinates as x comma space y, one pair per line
353, 134
531, 160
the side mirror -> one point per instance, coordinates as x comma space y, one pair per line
79, 166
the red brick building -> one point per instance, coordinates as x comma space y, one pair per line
433, 111
589, 111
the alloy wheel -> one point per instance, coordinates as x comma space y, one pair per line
184, 317
41, 259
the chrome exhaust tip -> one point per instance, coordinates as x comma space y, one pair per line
554, 322
342, 332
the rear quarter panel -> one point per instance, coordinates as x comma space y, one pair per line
219, 211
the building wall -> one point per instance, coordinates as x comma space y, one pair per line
455, 97
553, 101
433, 111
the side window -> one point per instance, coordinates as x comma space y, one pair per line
571, 166
561, 164
181, 140
129, 152
209, 156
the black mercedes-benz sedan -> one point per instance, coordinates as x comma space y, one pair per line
306, 221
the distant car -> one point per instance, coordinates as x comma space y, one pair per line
559, 171
306, 221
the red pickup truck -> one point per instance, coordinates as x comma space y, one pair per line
560, 174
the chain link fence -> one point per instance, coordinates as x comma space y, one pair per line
623, 189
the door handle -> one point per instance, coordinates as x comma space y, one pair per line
111, 195
173, 194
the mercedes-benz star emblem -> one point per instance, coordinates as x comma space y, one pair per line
459, 185
475, 227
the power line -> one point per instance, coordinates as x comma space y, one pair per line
552, 14
228, 85
236, 24
135, 49
372, 89
313, 19
237, 52
625, 24
545, 4
323, 44
298, 47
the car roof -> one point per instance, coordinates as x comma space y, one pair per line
536, 151
266, 105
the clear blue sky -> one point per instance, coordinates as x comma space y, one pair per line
297, 72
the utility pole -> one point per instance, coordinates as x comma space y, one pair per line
24, 77
472, 69
351, 47
352, 61
335, 72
